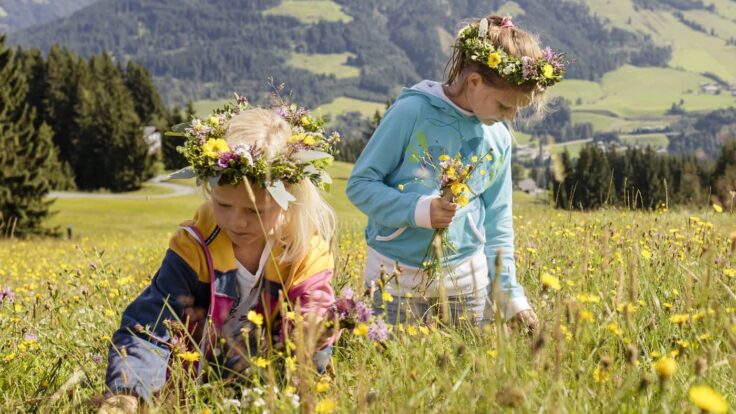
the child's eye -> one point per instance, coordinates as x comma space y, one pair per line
223, 205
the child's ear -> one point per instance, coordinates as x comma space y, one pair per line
473, 80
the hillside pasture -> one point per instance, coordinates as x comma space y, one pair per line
325, 64
310, 11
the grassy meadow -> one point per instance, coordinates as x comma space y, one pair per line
636, 308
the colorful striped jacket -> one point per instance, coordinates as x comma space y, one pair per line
200, 249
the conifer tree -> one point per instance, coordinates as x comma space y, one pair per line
27, 155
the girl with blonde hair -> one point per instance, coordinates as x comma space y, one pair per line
254, 257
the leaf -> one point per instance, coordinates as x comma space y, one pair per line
280, 195
422, 140
181, 127
174, 134
214, 181
183, 174
310, 155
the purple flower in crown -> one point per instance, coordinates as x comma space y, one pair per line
378, 331
528, 68
241, 100
223, 161
242, 151
363, 313
548, 54
281, 111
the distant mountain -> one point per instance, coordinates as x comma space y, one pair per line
365, 49
20, 14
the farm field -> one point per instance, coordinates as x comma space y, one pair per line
325, 64
636, 309
310, 11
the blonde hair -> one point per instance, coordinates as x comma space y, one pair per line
513, 41
309, 214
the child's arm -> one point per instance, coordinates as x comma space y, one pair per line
141, 368
499, 232
367, 188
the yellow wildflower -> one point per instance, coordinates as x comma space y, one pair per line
386, 296
189, 356
494, 59
322, 387
214, 121
261, 362
361, 329
489, 157
707, 399
665, 367
255, 317
305, 121
679, 318
400, 187
309, 140
326, 406
550, 281
444, 157
586, 316
462, 201
214, 147
411, 330
474, 158
614, 328
424, 330
458, 188
646, 254
601, 375
717, 208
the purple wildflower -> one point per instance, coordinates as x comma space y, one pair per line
363, 313
378, 331
241, 100
7, 295
281, 111
30, 337
97, 359
347, 293
344, 307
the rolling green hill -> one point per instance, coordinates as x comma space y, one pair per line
19, 14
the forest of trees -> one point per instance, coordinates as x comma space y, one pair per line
640, 178
72, 123
703, 135
557, 124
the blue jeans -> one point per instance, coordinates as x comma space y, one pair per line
321, 358
402, 309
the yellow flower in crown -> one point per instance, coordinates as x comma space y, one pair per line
547, 71
214, 121
494, 59
214, 147
309, 140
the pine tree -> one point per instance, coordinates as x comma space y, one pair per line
112, 152
27, 155
724, 176
173, 159
147, 101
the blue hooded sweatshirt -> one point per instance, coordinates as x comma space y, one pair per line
391, 183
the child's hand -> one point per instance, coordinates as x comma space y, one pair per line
526, 320
118, 404
441, 213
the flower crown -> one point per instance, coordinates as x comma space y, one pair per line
306, 155
475, 46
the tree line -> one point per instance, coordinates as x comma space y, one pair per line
72, 123
641, 179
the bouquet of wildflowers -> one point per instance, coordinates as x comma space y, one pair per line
454, 176
352, 313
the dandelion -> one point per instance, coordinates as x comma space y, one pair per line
322, 387
400, 187
666, 367
386, 296
615, 329
361, 329
586, 316
255, 317
326, 406
550, 281
717, 208
707, 399
679, 318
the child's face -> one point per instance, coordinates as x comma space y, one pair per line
491, 104
236, 214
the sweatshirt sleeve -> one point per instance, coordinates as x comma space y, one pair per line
499, 231
141, 368
367, 188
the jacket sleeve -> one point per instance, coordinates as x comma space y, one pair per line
366, 187
499, 231
141, 368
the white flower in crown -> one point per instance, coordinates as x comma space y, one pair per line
243, 151
483, 28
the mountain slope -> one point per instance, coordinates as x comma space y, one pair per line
19, 14
207, 50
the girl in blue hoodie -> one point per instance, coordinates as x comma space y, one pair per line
495, 70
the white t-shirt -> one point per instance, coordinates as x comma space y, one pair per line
249, 288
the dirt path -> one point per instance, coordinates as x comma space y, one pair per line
177, 190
